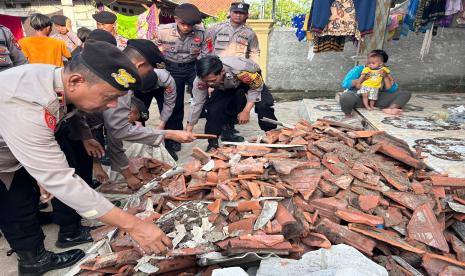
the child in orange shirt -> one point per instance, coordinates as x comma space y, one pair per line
41, 48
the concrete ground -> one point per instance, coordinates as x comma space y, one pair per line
285, 111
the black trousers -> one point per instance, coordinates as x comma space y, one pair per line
77, 157
182, 74
224, 105
146, 97
18, 212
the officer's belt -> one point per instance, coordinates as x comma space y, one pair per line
179, 65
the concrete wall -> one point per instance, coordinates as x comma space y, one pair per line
442, 70
82, 10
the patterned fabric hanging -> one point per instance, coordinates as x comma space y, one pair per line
147, 23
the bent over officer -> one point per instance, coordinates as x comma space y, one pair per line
10, 52
181, 43
238, 87
33, 100
233, 37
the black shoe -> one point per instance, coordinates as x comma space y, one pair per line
70, 239
172, 153
229, 136
176, 146
231, 127
212, 144
39, 261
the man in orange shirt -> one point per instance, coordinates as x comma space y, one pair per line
41, 48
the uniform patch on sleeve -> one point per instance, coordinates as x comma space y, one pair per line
50, 120
254, 80
15, 42
202, 85
169, 89
209, 42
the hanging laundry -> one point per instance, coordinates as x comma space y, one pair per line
14, 23
365, 13
409, 19
126, 25
323, 11
428, 11
342, 20
453, 7
328, 43
147, 23
298, 23
461, 16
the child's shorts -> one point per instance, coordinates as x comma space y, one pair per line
372, 92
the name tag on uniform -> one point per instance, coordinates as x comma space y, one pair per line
223, 37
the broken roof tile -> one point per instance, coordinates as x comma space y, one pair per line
439, 180
248, 166
359, 217
459, 248
252, 151
383, 235
215, 207
409, 200
200, 155
363, 133
243, 226
400, 155
286, 166
304, 181
251, 205
342, 181
338, 234
424, 227
283, 216
316, 240
396, 180
368, 202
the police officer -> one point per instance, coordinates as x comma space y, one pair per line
238, 88
10, 52
233, 37
160, 85
99, 35
107, 21
145, 55
34, 99
65, 33
79, 146
181, 43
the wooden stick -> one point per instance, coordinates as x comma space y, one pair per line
205, 136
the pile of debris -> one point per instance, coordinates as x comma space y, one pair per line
296, 190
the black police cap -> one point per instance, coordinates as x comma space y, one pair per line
59, 20
111, 65
188, 13
149, 82
148, 50
101, 35
239, 7
105, 17
141, 108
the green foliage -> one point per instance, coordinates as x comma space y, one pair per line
220, 17
285, 10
